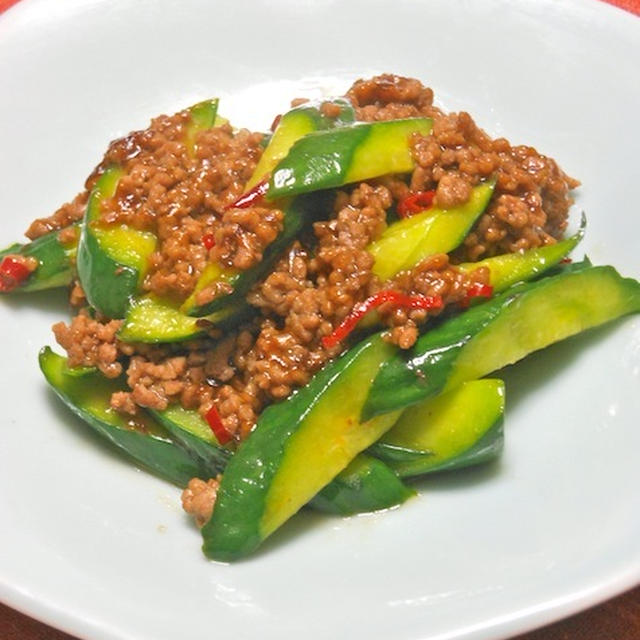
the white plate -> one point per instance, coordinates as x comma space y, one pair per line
100, 549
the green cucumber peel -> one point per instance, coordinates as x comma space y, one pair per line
295, 124
299, 214
512, 268
257, 493
501, 331
366, 485
191, 431
55, 262
328, 159
88, 396
457, 429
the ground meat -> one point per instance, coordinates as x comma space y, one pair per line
330, 109
63, 217
452, 191
434, 276
179, 261
531, 200
312, 292
69, 235
182, 194
199, 498
77, 298
90, 343
390, 97
243, 235
152, 384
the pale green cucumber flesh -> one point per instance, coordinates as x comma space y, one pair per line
407, 242
327, 159
153, 320
513, 268
297, 448
502, 331
456, 429
191, 431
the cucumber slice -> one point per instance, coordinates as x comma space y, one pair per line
193, 433
407, 242
296, 124
367, 484
113, 260
55, 262
512, 268
327, 159
457, 429
145, 441
298, 214
153, 320
297, 448
502, 331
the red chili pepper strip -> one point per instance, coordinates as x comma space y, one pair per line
219, 430
209, 241
276, 122
12, 273
415, 203
476, 290
395, 298
566, 261
251, 197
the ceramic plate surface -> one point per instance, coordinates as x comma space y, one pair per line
94, 546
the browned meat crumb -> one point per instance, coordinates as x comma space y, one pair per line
90, 343
184, 196
243, 234
531, 200
77, 298
68, 235
199, 498
63, 217
390, 97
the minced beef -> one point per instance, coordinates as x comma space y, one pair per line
90, 343
243, 235
185, 196
199, 498
63, 217
531, 200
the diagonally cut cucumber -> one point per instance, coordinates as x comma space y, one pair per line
297, 448
144, 440
501, 332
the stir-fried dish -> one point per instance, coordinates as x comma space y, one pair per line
307, 316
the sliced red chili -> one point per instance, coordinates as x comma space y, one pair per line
566, 261
13, 273
251, 197
221, 433
209, 241
276, 122
395, 298
415, 202
476, 290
